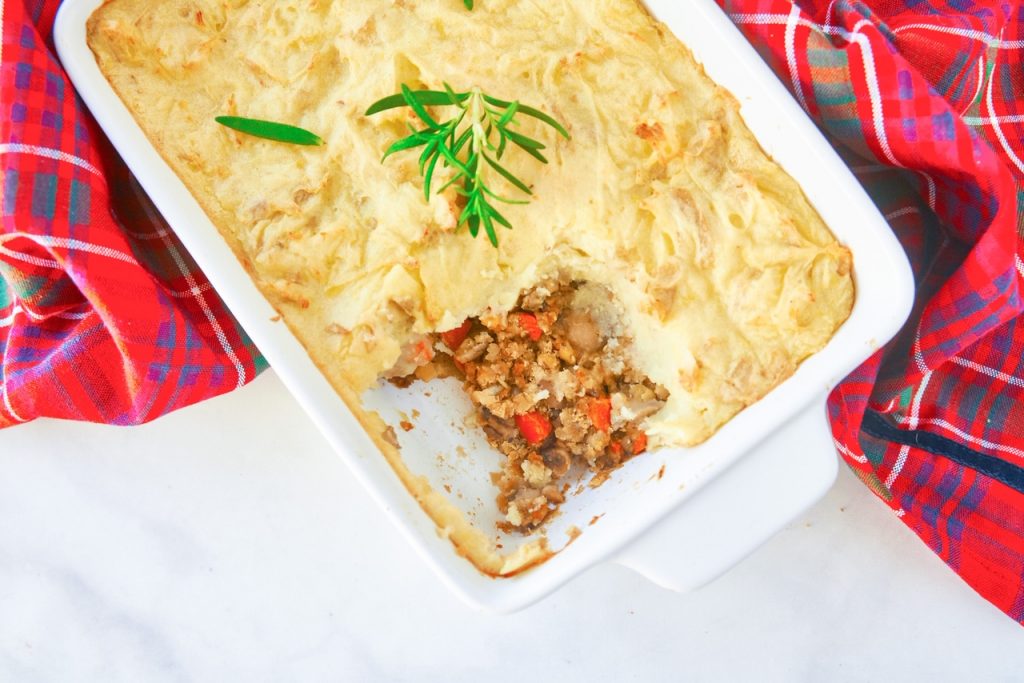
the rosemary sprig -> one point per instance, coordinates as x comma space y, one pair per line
269, 130
472, 142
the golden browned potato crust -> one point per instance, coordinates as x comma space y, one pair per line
726, 276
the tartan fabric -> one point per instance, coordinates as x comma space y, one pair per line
925, 100
103, 315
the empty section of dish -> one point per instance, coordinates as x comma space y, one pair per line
447, 463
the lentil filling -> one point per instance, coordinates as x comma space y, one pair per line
554, 393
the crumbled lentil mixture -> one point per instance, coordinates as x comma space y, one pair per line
554, 393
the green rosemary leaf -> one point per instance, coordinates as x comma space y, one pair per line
411, 142
474, 224
488, 133
523, 141
509, 114
454, 161
530, 111
428, 98
504, 200
429, 151
428, 176
507, 175
454, 179
500, 219
420, 110
533, 152
269, 130
469, 145
489, 228
466, 136
454, 97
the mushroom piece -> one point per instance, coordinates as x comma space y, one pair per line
558, 459
499, 429
471, 349
583, 332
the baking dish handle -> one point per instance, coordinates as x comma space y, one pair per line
768, 489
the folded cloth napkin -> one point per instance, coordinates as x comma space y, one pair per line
925, 101
104, 317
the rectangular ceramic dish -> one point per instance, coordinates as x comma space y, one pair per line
650, 488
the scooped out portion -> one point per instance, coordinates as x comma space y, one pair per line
553, 389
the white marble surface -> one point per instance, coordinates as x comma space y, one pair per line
227, 543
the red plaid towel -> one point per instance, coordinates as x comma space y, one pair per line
925, 101
103, 317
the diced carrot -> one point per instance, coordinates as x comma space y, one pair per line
616, 448
639, 443
423, 352
600, 412
535, 427
528, 321
453, 338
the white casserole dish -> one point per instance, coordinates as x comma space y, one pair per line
792, 465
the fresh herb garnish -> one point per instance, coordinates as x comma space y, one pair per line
280, 132
468, 4
473, 141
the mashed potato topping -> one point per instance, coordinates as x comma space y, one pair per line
725, 275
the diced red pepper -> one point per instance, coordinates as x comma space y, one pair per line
535, 427
616, 448
528, 321
639, 443
453, 338
422, 353
600, 412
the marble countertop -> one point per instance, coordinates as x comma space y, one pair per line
227, 543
